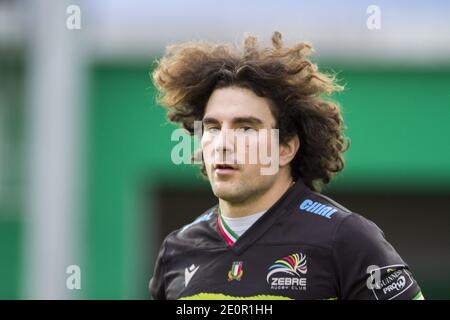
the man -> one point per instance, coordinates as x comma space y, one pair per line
272, 235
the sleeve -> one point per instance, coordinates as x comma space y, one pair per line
156, 285
368, 267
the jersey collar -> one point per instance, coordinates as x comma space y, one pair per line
229, 235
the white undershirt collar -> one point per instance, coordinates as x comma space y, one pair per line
242, 224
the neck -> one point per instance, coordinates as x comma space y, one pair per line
262, 203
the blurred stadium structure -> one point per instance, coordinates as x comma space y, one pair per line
85, 171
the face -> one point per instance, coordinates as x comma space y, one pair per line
233, 123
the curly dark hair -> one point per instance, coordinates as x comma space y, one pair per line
189, 72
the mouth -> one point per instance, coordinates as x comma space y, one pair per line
225, 166
225, 169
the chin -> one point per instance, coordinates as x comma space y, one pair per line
222, 192
227, 193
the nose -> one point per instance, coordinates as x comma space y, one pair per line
224, 141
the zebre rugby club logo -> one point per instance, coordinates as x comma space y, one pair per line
236, 271
294, 269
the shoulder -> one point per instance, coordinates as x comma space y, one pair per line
359, 237
204, 217
345, 225
355, 227
191, 234
322, 220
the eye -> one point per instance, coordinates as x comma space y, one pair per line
246, 129
212, 129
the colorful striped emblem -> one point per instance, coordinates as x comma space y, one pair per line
294, 264
229, 235
236, 271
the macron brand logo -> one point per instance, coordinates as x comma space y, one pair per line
317, 208
189, 273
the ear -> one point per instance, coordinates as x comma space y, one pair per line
288, 150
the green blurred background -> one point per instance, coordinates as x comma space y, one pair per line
397, 168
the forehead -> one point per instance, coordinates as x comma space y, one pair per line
227, 103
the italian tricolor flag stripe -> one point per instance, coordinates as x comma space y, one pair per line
229, 235
236, 268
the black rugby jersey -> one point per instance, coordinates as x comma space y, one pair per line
306, 246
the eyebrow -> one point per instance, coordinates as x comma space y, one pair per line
237, 120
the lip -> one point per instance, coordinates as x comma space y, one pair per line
225, 169
225, 166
